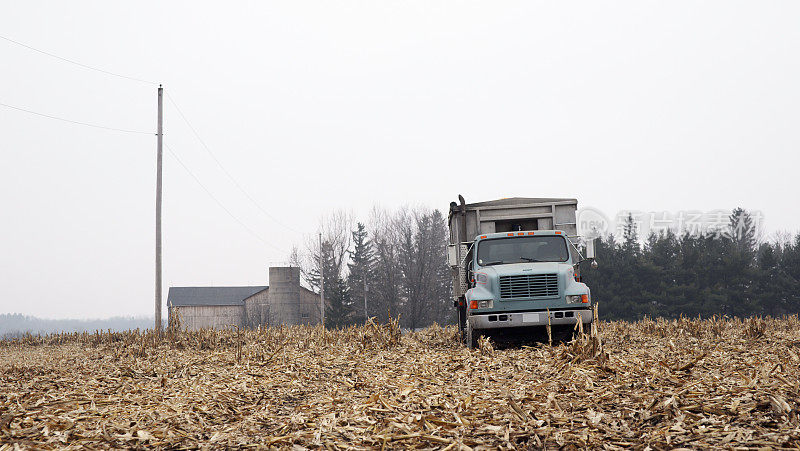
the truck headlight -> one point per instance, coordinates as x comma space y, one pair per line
574, 299
578, 299
486, 304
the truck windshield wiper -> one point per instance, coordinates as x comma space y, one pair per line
528, 259
496, 262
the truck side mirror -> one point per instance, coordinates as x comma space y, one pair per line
452, 255
590, 253
590, 249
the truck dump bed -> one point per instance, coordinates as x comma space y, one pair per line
505, 215
467, 221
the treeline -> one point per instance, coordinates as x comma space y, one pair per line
730, 273
392, 265
16, 324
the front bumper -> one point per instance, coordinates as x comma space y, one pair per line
528, 319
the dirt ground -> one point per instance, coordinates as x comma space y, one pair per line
720, 383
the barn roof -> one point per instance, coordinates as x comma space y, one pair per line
184, 296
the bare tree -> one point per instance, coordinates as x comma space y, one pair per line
409, 276
385, 286
423, 264
328, 247
411, 273
336, 237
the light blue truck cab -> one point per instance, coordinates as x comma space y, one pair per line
525, 279
518, 268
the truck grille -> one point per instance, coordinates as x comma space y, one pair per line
532, 286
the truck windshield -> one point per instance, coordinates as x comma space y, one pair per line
522, 249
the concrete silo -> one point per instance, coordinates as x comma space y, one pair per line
289, 303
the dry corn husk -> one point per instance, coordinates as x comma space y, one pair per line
718, 383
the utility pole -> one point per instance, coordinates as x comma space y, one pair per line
366, 316
159, 135
321, 282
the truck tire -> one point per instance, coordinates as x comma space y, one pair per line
562, 334
462, 320
471, 339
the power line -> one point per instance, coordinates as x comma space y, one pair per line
219, 163
85, 66
213, 197
75, 122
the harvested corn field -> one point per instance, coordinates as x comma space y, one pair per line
686, 383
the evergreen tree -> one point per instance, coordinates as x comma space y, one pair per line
741, 230
339, 311
361, 271
774, 286
790, 260
630, 236
693, 275
338, 304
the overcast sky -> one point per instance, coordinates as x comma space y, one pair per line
316, 106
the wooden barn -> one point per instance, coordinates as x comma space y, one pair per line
284, 301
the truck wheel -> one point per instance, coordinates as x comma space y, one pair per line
462, 320
471, 339
562, 334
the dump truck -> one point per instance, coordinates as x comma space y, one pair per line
516, 268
